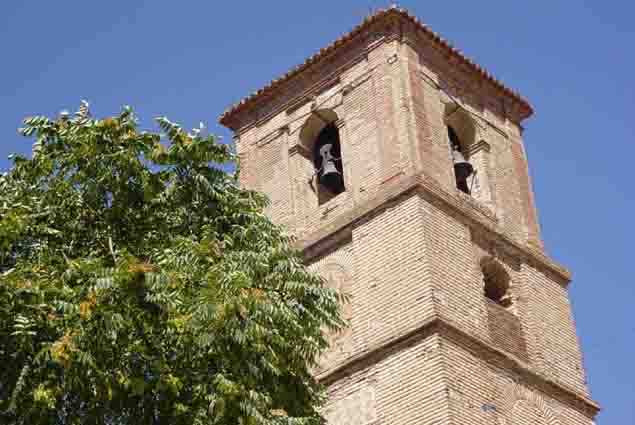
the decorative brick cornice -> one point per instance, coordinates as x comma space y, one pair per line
378, 351
272, 135
432, 191
480, 348
501, 359
481, 145
393, 14
388, 193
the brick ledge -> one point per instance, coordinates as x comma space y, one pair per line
483, 350
430, 189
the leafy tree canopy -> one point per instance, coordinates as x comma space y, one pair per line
139, 284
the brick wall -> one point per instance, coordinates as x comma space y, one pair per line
482, 393
508, 180
410, 259
402, 386
551, 336
390, 291
432, 156
391, 268
455, 276
506, 331
392, 123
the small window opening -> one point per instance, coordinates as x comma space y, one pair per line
462, 167
327, 159
496, 284
505, 328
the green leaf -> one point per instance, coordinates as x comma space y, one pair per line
137, 278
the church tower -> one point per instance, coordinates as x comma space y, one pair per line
399, 165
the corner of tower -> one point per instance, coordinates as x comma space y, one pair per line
399, 165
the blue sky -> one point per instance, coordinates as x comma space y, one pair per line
189, 60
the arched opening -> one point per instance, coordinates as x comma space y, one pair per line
496, 283
505, 329
311, 128
320, 137
327, 159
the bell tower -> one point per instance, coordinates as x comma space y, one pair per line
399, 165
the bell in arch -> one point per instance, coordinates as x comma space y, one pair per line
328, 161
462, 168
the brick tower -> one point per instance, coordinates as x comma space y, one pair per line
399, 165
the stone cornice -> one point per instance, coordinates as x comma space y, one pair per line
480, 348
431, 190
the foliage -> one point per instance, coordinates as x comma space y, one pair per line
139, 284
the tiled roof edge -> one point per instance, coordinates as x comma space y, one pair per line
274, 84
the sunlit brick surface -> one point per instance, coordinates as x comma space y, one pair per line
424, 345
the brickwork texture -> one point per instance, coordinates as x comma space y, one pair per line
425, 344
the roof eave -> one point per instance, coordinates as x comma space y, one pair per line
228, 118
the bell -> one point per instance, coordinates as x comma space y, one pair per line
462, 170
329, 174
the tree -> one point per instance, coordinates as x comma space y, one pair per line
139, 284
